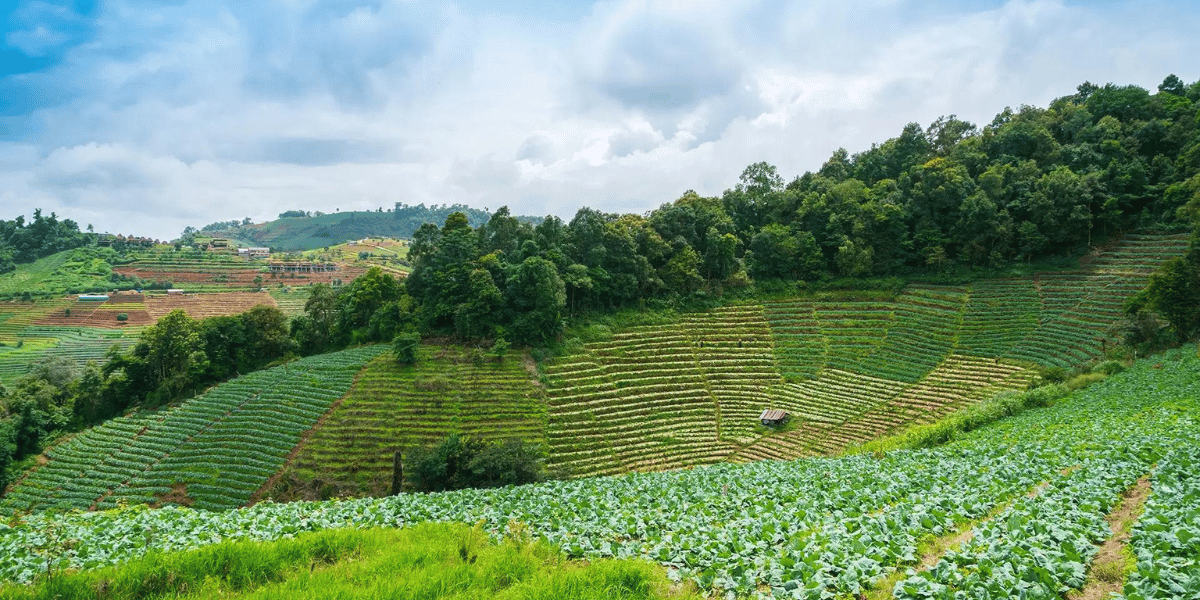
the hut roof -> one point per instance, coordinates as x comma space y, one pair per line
772, 414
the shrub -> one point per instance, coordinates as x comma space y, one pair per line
467, 462
405, 347
122, 317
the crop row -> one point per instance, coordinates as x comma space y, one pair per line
1166, 539
393, 407
812, 528
230, 439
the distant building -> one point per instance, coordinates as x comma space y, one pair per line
175, 292
254, 252
93, 298
773, 417
302, 267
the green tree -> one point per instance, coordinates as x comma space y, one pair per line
404, 346
538, 297
1174, 293
169, 358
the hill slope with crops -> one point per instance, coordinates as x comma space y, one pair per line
848, 367
1034, 503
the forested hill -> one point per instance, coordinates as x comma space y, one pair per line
1034, 182
306, 230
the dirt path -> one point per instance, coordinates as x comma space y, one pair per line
1108, 570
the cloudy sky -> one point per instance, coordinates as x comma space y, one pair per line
145, 116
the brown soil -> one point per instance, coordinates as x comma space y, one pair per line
199, 306
1106, 575
177, 495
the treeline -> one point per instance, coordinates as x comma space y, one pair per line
22, 242
1032, 183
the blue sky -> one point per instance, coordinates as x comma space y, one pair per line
145, 116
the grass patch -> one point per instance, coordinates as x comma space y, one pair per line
426, 561
955, 425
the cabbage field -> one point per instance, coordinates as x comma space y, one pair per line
1034, 489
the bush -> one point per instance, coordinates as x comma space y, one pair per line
122, 317
1049, 375
405, 347
466, 462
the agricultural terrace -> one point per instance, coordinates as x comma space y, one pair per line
1029, 495
29, 335
290, 300
393, 407
201, 306
653, 397
60, 273
389, 254
194, 269
847, 366
212, 451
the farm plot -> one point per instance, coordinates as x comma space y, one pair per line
796, 333
82, 313
661, 397
734, 353
842, 409
812, 528
393, 407
1141, 253
79, 344
999, 314
214, 450
1078, 312
923, 329
199, 306
853, 329
291, 300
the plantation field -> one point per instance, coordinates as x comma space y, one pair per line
290, 300
848, 367
200, 306
1018, 507
394, 407
212, 451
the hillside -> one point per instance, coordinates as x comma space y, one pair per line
31, 332
291, 233
1021, 504
848, 369
213, 451
677, 393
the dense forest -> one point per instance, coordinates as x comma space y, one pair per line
1033, 183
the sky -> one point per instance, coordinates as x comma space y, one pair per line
146, 116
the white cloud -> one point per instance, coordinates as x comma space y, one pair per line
209, 110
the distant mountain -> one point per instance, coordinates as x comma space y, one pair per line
317, 230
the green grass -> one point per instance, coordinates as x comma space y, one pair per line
59, 273
423, 562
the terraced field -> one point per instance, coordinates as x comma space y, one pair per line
213, 451
200, 306
290, 300
846, 368
656, 397
25, 341
394, 407
1027, 507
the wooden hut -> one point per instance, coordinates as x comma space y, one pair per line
773, 417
